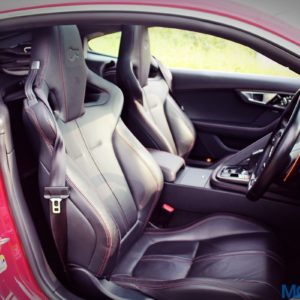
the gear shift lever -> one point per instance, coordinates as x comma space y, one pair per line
253, 159
240, 173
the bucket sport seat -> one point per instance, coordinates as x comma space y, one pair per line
113, 185
151, 112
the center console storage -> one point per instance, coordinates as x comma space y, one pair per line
194, 177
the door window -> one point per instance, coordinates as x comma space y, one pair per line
192, 50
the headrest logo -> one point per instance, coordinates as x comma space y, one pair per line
73, 54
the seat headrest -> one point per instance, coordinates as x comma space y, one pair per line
63, 72
135, 51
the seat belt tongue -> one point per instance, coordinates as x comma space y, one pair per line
56, 195
56, 205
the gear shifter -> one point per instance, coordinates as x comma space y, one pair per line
253, 159
240, 173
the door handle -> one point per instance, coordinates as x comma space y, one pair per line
259, 97
271, 99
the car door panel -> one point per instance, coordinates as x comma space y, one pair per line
224, 119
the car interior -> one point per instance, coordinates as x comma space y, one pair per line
144, 182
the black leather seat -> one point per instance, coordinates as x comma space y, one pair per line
151, 112
114, 186
219, 257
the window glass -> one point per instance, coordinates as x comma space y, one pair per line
107, 44
186, 49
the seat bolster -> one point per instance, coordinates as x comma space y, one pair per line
138, 166
93, 237
144, 128
182, 129
214, 226
115, 93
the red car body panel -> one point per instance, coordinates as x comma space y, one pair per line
16, 279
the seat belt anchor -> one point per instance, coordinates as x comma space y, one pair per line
56, 195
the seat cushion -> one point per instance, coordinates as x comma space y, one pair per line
219, 257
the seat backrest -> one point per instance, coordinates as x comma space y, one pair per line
114, 182
151, 112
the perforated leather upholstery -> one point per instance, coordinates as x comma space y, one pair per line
114, 186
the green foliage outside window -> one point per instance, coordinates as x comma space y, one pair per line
191, 50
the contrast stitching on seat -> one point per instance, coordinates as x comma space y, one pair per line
176, 283
90, 223
39, 129
45, 168
246, 252
142, 159
50, 125
180, 112
170, 126
115, 147
165, 258
211, 256
159, 129
124, 217
192, 260
161, 139
153, 175
104, 226
189, 227
154, 202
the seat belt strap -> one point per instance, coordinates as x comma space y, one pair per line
57, 192
30, 95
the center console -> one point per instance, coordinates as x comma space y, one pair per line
224, 187
239, 173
